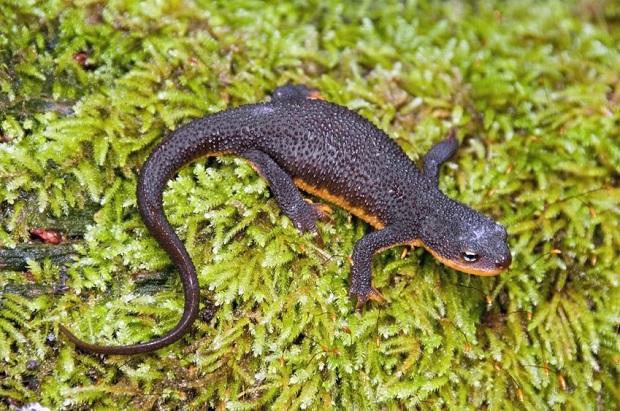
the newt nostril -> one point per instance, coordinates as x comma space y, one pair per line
504, 262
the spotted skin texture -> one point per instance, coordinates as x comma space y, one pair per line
298, 141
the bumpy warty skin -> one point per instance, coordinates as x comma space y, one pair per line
296, 141
336, 154
334, 149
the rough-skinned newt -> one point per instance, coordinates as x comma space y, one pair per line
297, 141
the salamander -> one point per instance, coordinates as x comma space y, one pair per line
298, 141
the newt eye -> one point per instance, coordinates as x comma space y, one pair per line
469, 257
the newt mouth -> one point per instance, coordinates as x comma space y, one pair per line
486, 270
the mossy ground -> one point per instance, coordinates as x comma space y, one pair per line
87, 90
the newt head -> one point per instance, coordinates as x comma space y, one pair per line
464, 239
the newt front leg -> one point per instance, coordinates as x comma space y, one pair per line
361, 284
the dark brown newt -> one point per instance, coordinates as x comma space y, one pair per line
296, 141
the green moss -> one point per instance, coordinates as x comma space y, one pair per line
87, 91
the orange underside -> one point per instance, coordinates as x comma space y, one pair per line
340, 202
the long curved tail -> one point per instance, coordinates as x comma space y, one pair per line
150, 207
217, 134
189, 142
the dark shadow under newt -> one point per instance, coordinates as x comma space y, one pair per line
296, 141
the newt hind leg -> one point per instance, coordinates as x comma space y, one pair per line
303, 214
291, 91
